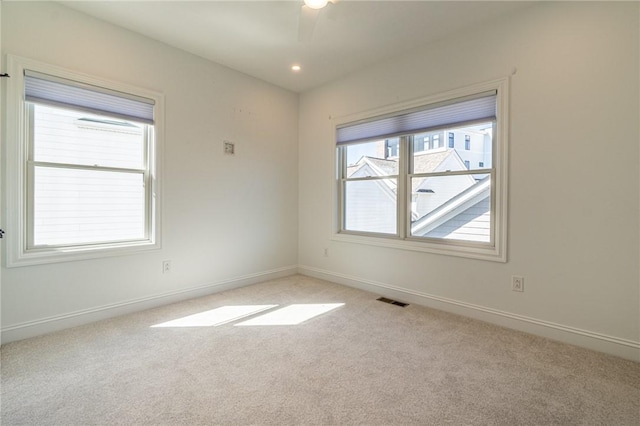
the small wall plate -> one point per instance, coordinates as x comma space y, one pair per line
229, 148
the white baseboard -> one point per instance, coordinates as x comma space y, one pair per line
599, 342
61, 322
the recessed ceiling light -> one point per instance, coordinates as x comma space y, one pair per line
316, 4
295, 68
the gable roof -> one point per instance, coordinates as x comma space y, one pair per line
375, 166
458, 204
427, 162
389, 167
424, 162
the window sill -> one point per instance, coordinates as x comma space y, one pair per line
69, 254
447, 248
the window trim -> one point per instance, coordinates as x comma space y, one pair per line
18, 252
499, 191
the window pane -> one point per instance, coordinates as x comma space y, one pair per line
466, 145
86, 206
72, 137
452, 207
377, 158
370, 206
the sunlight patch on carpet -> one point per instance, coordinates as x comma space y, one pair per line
215, 317
292, 314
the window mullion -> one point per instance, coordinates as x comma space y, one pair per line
404, 155
342, 175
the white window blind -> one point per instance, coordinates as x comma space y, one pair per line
481, 107
46, 89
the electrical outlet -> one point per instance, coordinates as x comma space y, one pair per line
326, 252
517, 283
166, 266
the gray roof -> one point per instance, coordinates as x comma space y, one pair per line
424, 162
389, 167
427, 162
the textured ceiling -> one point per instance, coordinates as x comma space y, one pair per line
260, 38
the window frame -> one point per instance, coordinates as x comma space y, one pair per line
19, 169
496, 250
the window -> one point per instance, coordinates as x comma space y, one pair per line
467, 142
391, 148
451, 140
84, 166
421, 143
426, 200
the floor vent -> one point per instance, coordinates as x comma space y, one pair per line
392, 302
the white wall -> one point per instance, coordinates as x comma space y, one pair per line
573, 178
226, 219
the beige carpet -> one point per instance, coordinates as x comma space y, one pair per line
364, 362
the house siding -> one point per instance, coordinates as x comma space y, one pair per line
473, 224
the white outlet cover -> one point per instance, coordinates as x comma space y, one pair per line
517, 283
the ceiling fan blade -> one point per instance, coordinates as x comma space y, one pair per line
307, 23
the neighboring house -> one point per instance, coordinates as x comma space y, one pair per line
472, 143
88, 178
455, 207
371, 204
466, 216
